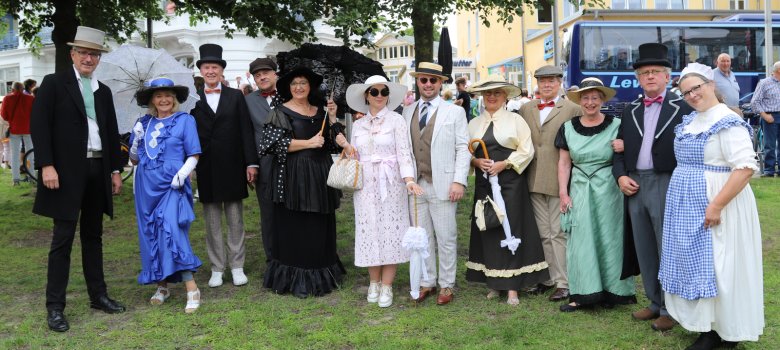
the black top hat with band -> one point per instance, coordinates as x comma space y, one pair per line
211, 53
652, 54
143, 95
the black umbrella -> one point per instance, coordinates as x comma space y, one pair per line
339, 66
445, 54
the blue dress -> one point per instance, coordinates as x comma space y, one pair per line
164, 214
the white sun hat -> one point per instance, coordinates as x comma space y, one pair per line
356, 98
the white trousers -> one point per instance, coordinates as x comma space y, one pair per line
437, 217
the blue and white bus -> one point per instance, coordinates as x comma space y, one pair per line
607, 50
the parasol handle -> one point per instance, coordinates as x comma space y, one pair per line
322, 128
415, 210
481, 143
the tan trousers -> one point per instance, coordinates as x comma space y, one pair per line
234, 213
547, 211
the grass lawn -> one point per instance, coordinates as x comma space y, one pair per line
251, 317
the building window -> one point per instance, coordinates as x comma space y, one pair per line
670, 4
709, 4
627, 4
569, 9
543, 14
8, 76
737, 4
392, 75
468, 31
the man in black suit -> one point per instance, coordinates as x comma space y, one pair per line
74, 129
227, 164
643, 171
260, 103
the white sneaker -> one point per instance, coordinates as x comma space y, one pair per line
216, 279
160, 295
386, 296
193, 301
239, 278
373, 292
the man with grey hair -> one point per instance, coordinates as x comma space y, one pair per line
766, 101
643, 170
725, 81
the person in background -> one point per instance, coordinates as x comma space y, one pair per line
591, 197
766, 102
301, 139
463, 98
228, 162
381, 207
245, 88
524, 97
545, 117
15, 109
165, 148
711, 265
447, 96
510, 149
74, 128
199, 83
726, 82
29, 85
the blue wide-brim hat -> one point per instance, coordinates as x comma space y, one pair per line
143, 95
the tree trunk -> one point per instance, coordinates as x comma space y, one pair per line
422, 24
65, 23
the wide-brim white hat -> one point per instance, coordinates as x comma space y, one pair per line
356, 94
494, 82
591, 84
89, 38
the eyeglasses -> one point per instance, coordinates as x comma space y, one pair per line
490, 93
694, 89
425, 80
93, 55
300, 83
650, 72
375, 92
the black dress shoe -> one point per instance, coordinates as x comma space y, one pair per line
572, 308
706, 341
57, 321
538, 289
107, 305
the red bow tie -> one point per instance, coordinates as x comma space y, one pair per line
542, 106
213, 91
650, 101
268, 93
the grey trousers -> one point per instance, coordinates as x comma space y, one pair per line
547, 212
234, 212
646, 209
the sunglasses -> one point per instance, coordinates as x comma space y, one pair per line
424, 80
375, 92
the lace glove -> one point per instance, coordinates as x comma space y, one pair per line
181, 176
138, 131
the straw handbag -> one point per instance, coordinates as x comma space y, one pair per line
346, 174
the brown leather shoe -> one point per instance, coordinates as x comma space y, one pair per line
559, 294
644, 314
445, 296
663, 323
424, 293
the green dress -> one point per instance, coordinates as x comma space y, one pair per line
594, 252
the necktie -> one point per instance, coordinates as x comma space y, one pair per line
650, 101
268, 93
213, 91
89, 97
542, 106
424, 115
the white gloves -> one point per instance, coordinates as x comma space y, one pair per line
181, 176
138, 130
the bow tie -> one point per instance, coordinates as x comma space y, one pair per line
542, 106
212, 91
650, 101
268, 93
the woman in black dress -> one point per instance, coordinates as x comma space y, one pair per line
304, 261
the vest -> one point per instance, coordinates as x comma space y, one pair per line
421, 144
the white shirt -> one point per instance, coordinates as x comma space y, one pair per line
432, 108
213, 99
93, 143
546, 111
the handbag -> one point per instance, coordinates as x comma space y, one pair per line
487, 214
346, 174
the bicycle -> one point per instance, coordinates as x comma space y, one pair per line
32, 174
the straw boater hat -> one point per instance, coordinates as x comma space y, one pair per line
160, 83
591, 84
494, 82
356, 94
430, 69
89, 38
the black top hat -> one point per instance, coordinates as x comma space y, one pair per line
652, 54
211, 53
283, 84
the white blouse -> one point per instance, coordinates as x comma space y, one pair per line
731, 147
511, 131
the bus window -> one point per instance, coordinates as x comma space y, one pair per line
615, 48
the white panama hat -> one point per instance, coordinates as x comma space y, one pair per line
89, 38
356, 98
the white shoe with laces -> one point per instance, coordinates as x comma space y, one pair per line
193, 301
216, 279
385, 296
239, 278
160, 295
373, 292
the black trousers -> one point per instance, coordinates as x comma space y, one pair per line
91, 233
264, 190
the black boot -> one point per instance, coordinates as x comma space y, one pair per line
706, 341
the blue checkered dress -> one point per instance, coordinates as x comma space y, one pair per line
687, 266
